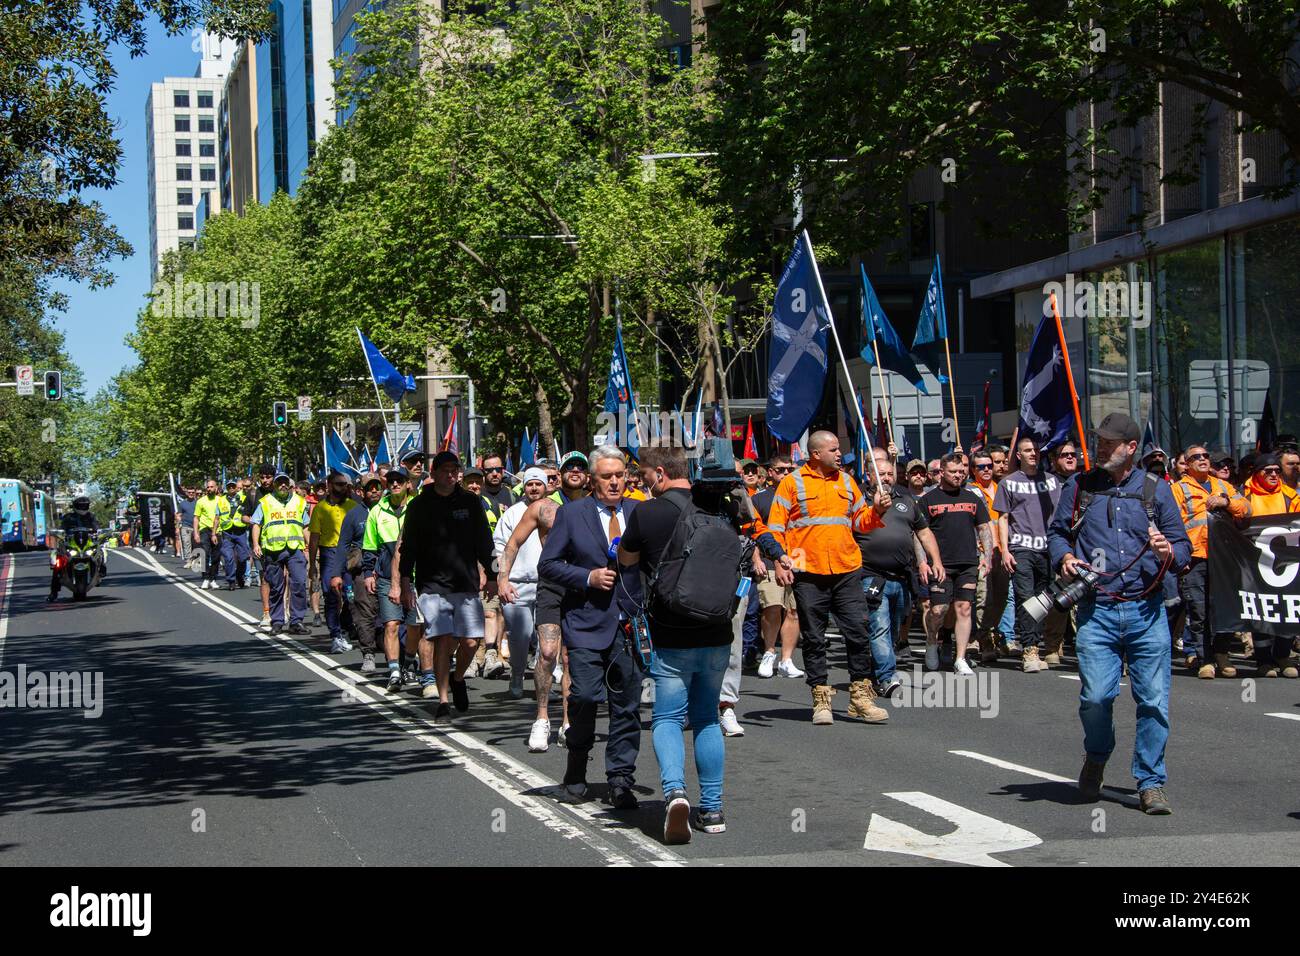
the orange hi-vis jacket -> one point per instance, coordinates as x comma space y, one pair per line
1191, 498
813, 519
1262, 502
988, 493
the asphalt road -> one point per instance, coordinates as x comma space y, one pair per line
218, 745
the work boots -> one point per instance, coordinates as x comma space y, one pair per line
1223, 666
822, 704
862, 703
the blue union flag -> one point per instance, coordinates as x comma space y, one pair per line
618, 395
797, 368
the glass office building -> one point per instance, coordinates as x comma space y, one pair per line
294, 93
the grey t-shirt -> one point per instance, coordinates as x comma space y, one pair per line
1028, 504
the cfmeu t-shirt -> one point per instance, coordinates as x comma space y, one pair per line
1028, 504
953, 517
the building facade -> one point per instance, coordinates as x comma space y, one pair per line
182, 149
294, 98
1180, 300
237, 120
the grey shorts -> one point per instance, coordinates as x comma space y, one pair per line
389, 611
460, 614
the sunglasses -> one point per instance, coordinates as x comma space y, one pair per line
491, 470
988, 467
1068, 454
1199, 456
1271, 470
781, 469
1223, 464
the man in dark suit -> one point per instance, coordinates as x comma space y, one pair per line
597, 595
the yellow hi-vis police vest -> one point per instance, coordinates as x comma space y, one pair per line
282, 524
229, 514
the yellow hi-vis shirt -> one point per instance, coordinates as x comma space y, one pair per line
327, 520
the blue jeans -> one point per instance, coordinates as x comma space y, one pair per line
1008, 623
687, 682
883, 624
1138, 633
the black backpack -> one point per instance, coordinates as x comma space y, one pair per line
699, 571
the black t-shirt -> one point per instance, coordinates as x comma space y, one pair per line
647, 534
953, 516
443, 537
501, 499
888, 550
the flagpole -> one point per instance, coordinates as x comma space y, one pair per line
1069, 376
952, 390
880, 375
378, 399
324, 449
840, 349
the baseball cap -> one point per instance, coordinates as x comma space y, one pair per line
1269, 460
571, 458
398, 472
284, 475
370, 478
1118, 427
747, 463
416, 453
914, 463
442, 458
472, 473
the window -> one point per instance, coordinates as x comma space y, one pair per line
185, 220
182, 124
184, 197
184, 173
183, 147
207, 124
181, 99
920, 232
208, 174
205, 100
207, 148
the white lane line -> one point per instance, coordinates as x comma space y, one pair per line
1124, 798
1285, 716
1078, 678
434, 736
6, 580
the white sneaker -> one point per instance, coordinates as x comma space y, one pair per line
787, 668
203, 585
539, 738
932, 657
557, 675
492, 664
959, 666
562, 738
766, 664
730, 725
647, 690
266, 620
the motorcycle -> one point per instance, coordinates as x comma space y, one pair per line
79, 559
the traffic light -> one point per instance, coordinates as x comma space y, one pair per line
53, 386
280, 414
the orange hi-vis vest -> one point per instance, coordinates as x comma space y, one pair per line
1263, 502
813, 518
1191, 498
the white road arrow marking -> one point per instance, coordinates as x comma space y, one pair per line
975, 838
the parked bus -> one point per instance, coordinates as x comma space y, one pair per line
45, 523
17, 515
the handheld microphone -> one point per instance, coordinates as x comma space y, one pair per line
611, 555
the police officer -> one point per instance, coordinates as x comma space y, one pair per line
76, 519
280, 543
1122, 522
234, 534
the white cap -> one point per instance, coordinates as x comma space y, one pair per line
534, 474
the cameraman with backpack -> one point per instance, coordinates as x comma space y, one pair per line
1121, 523
688, 543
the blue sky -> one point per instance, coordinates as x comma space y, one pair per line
97, 322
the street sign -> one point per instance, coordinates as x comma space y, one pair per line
304, 408
26, 384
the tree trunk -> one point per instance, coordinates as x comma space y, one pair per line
545, 428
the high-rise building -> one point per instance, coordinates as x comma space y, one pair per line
295, 93
237, 121
182, 141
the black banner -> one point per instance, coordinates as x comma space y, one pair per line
156, 518
1254, 571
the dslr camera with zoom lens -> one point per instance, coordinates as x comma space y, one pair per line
1058, 596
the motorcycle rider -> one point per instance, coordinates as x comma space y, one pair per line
75, 520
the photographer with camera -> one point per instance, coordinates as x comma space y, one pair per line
1115, 534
